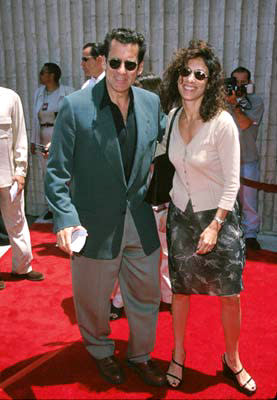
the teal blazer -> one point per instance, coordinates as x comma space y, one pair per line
85, 182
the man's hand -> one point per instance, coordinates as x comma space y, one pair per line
20, 181
243, 121
33, 148
162, 223
46, 153
64, 239
232, 99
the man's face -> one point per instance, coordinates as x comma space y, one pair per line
89, 65
119, 80
241, 77
44, 76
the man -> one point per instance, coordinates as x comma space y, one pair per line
103, 143
92, 63
13, 169
150, 82
247, 110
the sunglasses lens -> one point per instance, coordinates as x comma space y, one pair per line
130, 65
199, 75
185, 71
115, 63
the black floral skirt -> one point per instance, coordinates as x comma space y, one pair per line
218, 273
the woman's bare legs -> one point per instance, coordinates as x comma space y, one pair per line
231, 321
180, 312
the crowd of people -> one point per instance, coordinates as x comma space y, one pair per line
96, 147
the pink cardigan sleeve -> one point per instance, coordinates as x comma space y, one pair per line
227, 142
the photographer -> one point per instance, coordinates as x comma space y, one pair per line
247, 109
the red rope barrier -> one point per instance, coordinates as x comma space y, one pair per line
266, 187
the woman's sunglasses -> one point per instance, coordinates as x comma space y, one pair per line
198, 73
115, 63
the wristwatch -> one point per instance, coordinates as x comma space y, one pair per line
219, 220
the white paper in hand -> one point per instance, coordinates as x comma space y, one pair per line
13, 191
78, 239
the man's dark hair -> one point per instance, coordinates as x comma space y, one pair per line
125, 36
89, 44
97, 49
53, 68
244, 70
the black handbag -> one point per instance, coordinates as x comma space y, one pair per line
161, 181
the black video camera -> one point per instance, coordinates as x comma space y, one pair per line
231, 84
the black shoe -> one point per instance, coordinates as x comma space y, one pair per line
252, 243
30, 276
229, 373
4, 241
116, 312
2, 284
48, 215
179, 379
110, 370
149, 372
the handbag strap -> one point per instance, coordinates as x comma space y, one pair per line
170, 128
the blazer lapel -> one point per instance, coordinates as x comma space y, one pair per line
143, 122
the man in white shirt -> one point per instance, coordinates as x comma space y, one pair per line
92, 63
13, 170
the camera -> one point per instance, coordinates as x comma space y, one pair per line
230, 84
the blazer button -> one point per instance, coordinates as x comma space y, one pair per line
123, 212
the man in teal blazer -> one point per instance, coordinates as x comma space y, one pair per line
100, 156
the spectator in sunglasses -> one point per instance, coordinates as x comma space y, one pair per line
205, 243
47, 101
103, 144
92, 63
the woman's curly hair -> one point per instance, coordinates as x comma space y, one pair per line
214, 96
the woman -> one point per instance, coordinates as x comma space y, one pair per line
48, 99
206, 250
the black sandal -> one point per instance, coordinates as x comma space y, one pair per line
229, 373
178, 384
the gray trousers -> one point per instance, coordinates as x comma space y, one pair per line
93, 283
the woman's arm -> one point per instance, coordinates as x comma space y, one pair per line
228, 148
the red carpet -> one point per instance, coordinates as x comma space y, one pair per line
42, 357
